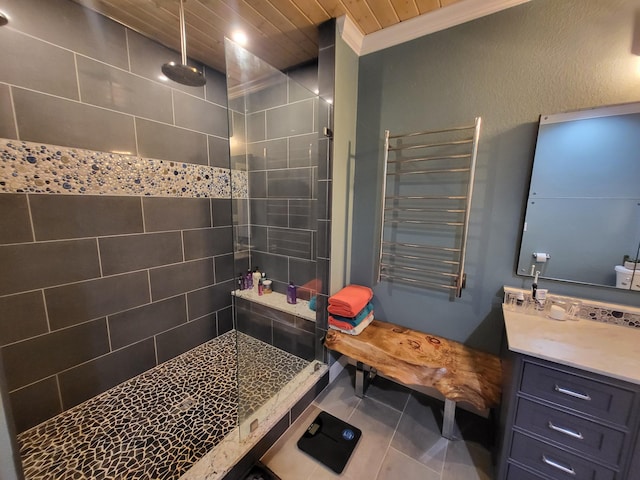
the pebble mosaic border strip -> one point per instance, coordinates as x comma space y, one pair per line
598, 313
28, 167
617, 317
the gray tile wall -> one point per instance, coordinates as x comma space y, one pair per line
326, 87
97, 289
81, 80
284, 227
100, 295
288, 332
287, 161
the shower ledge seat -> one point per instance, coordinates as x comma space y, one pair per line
458, 372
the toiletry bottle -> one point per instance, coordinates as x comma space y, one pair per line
256, 276
266, 284
260, 286
541, 298
291, 293
248, 280
240, 282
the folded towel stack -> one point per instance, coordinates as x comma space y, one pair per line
350, 309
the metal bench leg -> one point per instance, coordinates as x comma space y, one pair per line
449, 419
362, 380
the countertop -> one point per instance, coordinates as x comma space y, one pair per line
279, 302
597, 347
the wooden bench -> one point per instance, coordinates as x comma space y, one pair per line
460, 373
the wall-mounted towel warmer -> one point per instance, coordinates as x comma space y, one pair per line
426, 201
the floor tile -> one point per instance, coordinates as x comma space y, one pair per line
401, 437
378, 423
473, 428
284, 457
388, 392
397, 465
467, 461
419, 432
339, 397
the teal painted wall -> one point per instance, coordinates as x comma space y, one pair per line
542, 57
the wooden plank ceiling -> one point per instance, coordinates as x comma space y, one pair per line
281, 32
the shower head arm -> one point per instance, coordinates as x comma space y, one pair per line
183, 73
183, 34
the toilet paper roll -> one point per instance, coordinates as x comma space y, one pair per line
541, 257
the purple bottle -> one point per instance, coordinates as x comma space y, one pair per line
291, 294
248, 282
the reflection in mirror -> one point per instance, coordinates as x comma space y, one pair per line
583, 209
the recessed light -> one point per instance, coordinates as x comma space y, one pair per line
240, 37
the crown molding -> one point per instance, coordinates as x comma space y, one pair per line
350, 33
431, 22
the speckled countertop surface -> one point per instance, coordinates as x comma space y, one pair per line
279, 302
603, 348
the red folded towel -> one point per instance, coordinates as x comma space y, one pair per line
350, 301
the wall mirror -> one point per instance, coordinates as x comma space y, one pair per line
583, 209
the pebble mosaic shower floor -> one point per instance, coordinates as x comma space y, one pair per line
158, 424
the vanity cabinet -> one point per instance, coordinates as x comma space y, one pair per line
560, 422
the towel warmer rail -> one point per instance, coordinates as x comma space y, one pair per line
445, 159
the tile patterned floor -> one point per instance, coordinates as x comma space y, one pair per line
400, 438
158, 424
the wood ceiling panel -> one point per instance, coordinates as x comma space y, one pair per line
384, 12
425, 6
263, 23
204, 22
361, 14
281, 32
405, 9
306, 34
313, 9
225, 20
335, 8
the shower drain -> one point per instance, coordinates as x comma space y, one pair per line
185, 404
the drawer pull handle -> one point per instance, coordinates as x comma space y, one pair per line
571, 393
559, 466
566, 431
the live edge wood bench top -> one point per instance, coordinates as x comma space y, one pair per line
459, 372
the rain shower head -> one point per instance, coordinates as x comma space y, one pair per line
183, 73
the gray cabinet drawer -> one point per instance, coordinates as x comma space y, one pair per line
583, 435
516, 473
555, 463
584, 395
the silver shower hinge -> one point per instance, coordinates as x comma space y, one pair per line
326, 131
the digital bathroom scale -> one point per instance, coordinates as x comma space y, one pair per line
330, 441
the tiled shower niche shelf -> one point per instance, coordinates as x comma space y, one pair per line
278, 301
178, 415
